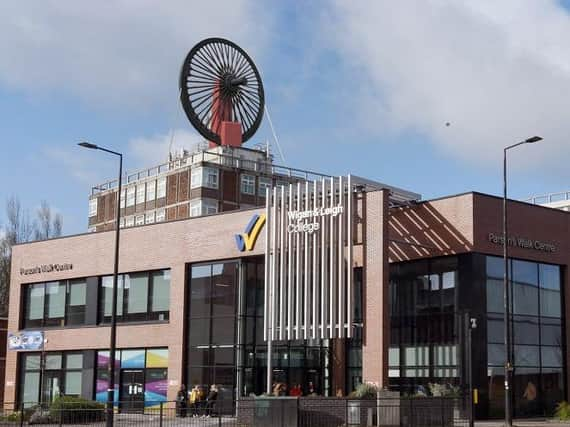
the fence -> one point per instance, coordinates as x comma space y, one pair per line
262, 412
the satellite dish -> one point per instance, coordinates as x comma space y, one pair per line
220, 83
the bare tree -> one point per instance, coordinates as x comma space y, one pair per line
19, 228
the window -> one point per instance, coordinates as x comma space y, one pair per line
76, 297
131, 196
122, 222
123, 198
150, 190
199, 207
161, 188
92, 207
160, 215
149, 217
204, 177
141, 296
129, 221
139, 220
54, 304
248, 184
62, 375
141, 190
264, 183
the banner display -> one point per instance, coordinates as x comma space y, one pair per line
27, 340
308, 260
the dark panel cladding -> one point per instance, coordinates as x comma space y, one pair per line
92, 298
229, 186
88, 374
171, 188
183, 184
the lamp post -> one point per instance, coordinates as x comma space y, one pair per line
113, 340
508, 364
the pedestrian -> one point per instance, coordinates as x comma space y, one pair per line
211, 400
181, 402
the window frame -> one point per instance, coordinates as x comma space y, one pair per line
131, 196
45, 322
247, 184
161, 187
140, 193
93, 207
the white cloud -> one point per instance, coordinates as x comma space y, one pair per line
116, 53
497, 71
151, 151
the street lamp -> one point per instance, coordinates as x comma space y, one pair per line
113, 343
508, 365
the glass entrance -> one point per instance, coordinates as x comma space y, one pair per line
132, 390
51, 387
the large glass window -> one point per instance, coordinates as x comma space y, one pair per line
161, 188
204, 177
54, 304
131, 195
537, 349
93, 206
61, 374
141, 296
150, 191
424, 326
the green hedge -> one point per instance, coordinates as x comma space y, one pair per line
68, 410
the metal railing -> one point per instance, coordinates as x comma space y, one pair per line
549, 198
259, 412
227, 160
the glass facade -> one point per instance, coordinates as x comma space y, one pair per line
59, 303
537, 345
425, 323
141, 296
141, 377
49, 375
429, 300
225, 335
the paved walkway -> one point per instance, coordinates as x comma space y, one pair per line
524, 423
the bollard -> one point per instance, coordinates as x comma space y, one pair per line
161, 413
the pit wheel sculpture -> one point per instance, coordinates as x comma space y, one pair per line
220, 83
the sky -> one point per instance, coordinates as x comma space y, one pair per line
422, 95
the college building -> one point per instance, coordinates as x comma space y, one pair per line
350, 280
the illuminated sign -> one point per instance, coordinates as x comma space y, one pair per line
246, 240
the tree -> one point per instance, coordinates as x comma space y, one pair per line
19, 228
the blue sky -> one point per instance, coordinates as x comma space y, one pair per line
352, 87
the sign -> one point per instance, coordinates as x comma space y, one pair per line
297, 223
45, 268
308, 260
28, 340
246, 240
522, 242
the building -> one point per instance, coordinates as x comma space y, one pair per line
197, 308
208, 181
3, 346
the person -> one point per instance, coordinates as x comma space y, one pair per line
530, 394
312, 391
194, 400
211, 399
339, 392
277, 389
296, 391
181, 402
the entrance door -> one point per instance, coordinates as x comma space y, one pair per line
132, 390
51, 387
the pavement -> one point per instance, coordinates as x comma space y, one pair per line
525, 423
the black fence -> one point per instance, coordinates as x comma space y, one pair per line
261, 412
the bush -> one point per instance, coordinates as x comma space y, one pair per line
68, 409
562, 411
443, 390
365, 391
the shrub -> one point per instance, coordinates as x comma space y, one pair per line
68, 409
443, 390
366, 391
562, 411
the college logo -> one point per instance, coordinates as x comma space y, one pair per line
246, 240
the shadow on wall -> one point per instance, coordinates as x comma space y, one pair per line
423, 231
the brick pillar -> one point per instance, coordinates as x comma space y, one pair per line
376, 331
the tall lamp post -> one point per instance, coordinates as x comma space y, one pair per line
508, 364
113, 341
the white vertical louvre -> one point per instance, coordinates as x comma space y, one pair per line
308, 268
